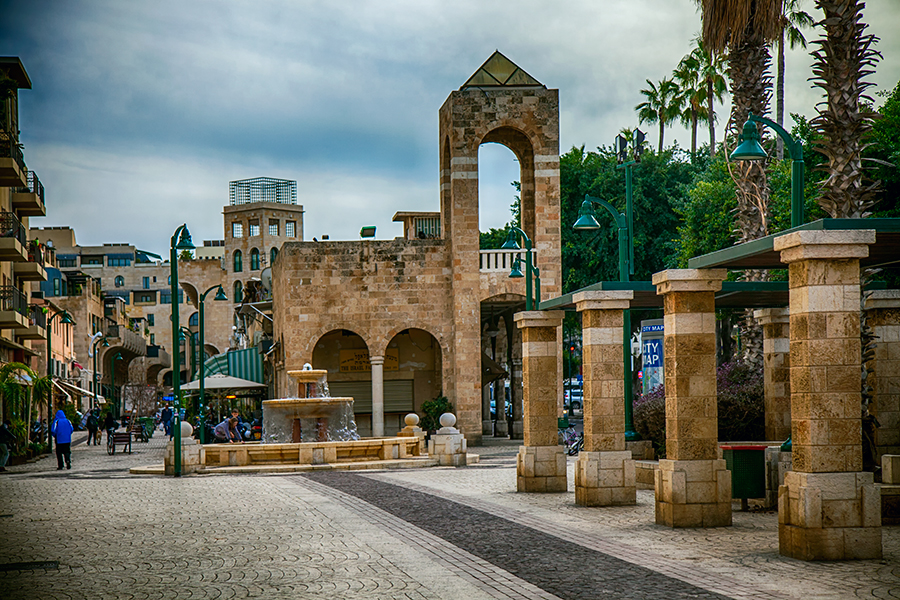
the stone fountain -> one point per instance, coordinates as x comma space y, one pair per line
313, 416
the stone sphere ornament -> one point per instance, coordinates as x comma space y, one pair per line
411, 420
186, 430
448, 420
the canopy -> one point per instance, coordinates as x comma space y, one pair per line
223, 382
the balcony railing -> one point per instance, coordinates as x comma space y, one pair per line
36, 253
496, 261
10, 148
37, 316
10, 226
12, 298
34, 186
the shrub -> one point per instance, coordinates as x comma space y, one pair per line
740, 404
432, 411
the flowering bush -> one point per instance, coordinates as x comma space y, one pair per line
740, 401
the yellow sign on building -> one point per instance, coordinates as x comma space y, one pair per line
357, 361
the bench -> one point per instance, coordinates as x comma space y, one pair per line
137, 431
115, 438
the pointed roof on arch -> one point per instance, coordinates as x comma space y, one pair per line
499, 71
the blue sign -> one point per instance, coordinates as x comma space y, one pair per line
652, 353
649, 328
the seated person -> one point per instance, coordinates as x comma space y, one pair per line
226, 431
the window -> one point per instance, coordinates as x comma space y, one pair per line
254, 229
238, 292
165, 297
273, 227
154, 280
237, 230
272, 254
145, 298
146, 283
65, 262
238, 261
254, 259
194, 320
118, 262
151, 319
169, 280
120, 281
92, 260
428, 227
152, 338
56, 286
290, 229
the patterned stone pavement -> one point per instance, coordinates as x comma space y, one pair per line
98, 532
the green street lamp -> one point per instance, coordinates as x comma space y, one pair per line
751, 149
532, 273
588, 221
66, 320
181, 240
219, 297
98, 337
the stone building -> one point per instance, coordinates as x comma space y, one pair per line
396, 323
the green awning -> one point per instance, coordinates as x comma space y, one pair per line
243, 364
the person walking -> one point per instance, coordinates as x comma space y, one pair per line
62, 430
166, 417
7, 442
93, 424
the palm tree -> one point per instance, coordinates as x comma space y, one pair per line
661, 106
793, 20
693, 95
844, 58
745, 28
711, 73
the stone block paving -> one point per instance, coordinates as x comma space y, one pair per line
98, 532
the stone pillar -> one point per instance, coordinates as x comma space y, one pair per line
693, 486
487, 427
775, 324
447, 444
604, 472
883, 316
828, 509
541, 462
377, 395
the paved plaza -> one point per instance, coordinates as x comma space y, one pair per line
99, 532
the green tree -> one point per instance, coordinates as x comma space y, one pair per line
662, 106
693, 95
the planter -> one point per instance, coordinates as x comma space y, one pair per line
19, 459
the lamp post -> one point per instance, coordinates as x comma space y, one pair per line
587, 221
751, 149
177, 243
219, 297
531, 271
66, 320
98, 337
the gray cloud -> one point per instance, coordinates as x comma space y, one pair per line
143, 111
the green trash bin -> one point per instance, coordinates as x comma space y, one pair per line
562, 423
747, 464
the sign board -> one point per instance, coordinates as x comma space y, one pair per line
357, 361
652, 355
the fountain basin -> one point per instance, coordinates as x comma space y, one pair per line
311, 453
296, 420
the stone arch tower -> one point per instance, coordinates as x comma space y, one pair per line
500, 103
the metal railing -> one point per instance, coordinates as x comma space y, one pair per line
495, 261
37, 316
34, 186
10, 148
10, 226
12, 298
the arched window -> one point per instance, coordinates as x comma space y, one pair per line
254, 259
120, 281
194, 320
238, 261
272, 254
238, 292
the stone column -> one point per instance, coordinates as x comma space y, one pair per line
541, 462
775, 324
693, 486
883, 316
486, 424
604, 472
377, 395
828, 509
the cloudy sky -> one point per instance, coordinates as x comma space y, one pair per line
142, 112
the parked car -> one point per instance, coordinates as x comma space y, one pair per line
574, 399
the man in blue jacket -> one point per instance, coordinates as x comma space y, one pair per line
62, 431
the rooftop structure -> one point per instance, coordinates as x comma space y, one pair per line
262, 189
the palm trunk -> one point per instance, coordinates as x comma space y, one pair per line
712, 123
662, 128
779, 97
693, 132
